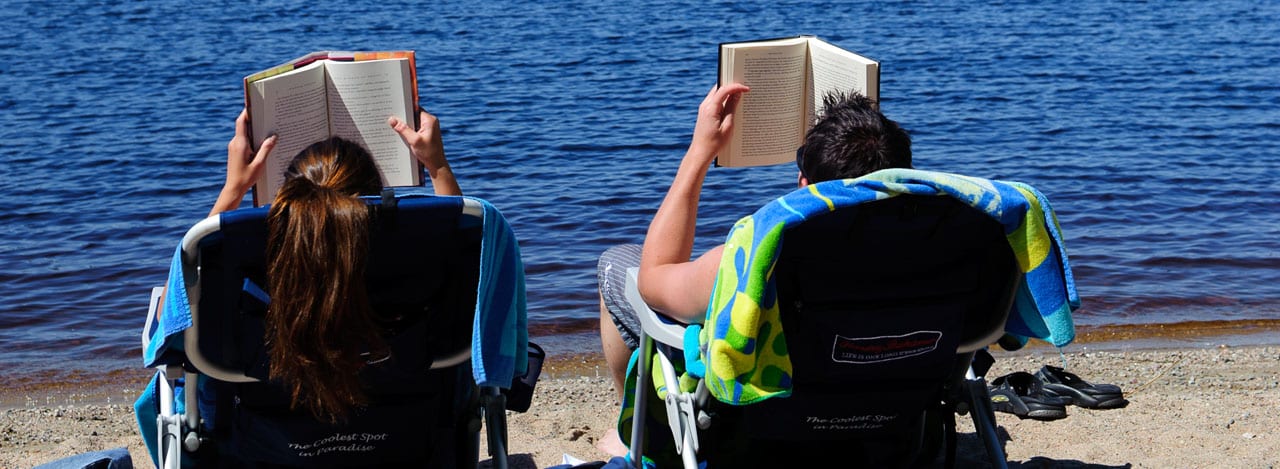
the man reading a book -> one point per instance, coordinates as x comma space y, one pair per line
851, 138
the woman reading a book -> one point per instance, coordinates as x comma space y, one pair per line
322, 333
244, 166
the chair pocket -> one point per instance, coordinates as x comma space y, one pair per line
520, 395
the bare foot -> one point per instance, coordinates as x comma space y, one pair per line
610, 443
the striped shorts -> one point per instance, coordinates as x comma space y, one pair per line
611, 273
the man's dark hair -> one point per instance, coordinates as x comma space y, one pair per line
851, 139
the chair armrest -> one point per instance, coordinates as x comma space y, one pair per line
152, 310
656, 325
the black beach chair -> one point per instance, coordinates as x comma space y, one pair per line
426, 408
881, 353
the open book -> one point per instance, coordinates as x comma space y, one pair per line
788, 79
325, 94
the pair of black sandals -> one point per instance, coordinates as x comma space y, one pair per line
1046, 394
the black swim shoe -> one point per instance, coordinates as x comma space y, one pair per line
1059, 382
1022, 394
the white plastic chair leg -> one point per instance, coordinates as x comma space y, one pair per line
168, 423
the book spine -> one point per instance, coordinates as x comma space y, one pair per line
271, 72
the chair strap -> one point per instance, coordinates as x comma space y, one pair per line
387, 211
253, 298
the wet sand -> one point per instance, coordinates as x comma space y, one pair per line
1197, 399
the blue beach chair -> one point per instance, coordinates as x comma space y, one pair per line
844, 326
447, 267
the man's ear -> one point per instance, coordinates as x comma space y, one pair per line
802, 181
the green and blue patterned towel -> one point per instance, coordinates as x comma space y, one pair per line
741, 342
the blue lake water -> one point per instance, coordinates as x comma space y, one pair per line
1153, 127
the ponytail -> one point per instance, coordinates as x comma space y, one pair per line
320, 323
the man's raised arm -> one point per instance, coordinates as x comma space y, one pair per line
669, 281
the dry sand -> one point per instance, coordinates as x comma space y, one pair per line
1196, 406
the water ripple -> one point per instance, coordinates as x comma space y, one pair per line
1151, 126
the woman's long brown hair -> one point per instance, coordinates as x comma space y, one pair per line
320, 321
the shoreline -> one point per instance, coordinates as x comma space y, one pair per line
572, 354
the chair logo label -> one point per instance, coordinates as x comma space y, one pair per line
339, 443
884, 348
850, 422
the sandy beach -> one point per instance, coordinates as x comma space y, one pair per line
1210, 404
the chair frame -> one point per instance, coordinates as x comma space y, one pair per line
181, 432
685, 410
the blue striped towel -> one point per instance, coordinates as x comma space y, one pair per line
500, 333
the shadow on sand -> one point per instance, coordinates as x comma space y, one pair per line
971, 453
514, 461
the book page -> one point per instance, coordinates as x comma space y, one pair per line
362, 95
292, 106
836, 69
769, 122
